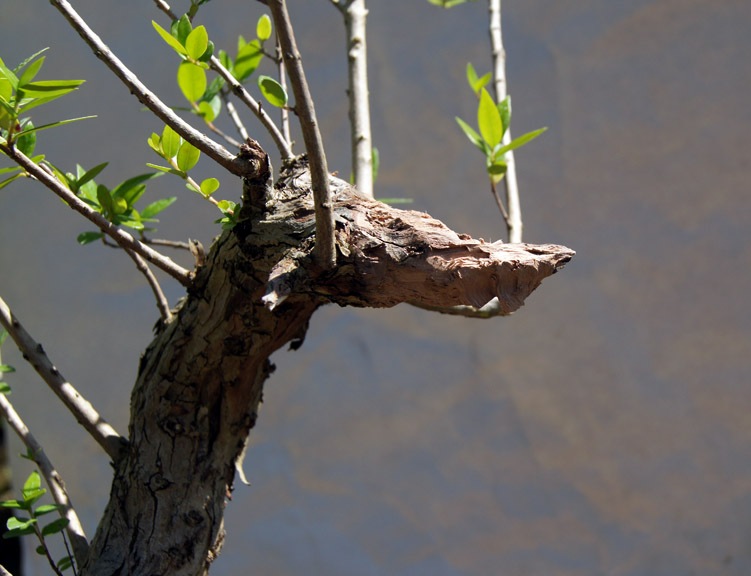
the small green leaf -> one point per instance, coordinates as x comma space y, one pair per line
170, 39
104, 197
41, 550
46, 509
197, 42
248, 58
206, 111
272, 91
179, 173
8, 74
473, 136
54, 125
497, 170
27, 140
187, 156
155, 143
227, 206
7, 181
88, 237
156, 207
209, 186
182, 28
50, 88
170, 142
33, 483
30, 72
6, 368
263, 28
132, 188
55, 526
19, 527
489, 119
376, 162
31, 58
520, 141
192, 81
504, 109
14, 504
64, 563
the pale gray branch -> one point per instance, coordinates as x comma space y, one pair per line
86, 415
325, 244
514, 220
118, 235
56, 485
161, 300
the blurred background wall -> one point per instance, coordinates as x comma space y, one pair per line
603, 429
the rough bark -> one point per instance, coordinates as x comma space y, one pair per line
201, 380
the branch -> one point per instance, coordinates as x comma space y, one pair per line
124, 239
325, 244
213, 150
54, 481
355, 14
104, 434
514, 218
161, 300
282, 141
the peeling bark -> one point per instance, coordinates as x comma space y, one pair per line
201, 380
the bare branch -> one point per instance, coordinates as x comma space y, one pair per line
233, 115
282, 71
325, 243
514, 218
54, 481
118, 235
213, 150
4, 572
161, 300
355, 14
86, 415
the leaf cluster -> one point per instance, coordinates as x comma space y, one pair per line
27, 515
493, 120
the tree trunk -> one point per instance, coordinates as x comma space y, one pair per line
201, 380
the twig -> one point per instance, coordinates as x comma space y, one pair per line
283, 143
4, 572
118, 235
233, 115
355, 15
283, 81
177, 244
54, 481
514, 219
161, 300
213, 150
86, 415
325, 241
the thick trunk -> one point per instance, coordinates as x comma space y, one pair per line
201, 381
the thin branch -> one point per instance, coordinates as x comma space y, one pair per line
161, 300
355, 15
283, 143
213, 150
54, 481
118, 235
514, 218
177, 244
86, 415
325, 241
4, 572
233, 115
282, 71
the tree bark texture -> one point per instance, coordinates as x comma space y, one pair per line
201, 380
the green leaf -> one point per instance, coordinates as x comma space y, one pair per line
170, 39
55, 526
227, 206
50, 88
6, 368
182, 28
489, 119
54, 124
156, 207
170, 142
88, 237
376, 162
8, 74
520, 141
209, 186
272, 91
197, 42
473, 136
155, 143
187, 156
64, 563
30, 72
131, 189
497, 170
396, 200
33, 483
4, 388
263, 28
31, 58
7, 181
19, 527
476, 83
448, 3
192, 81
89, 175
504, 109
104, 198
27, 139
41, 550
248, 59
6, 89
14, 504
206, 111
179, 173
46, 509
